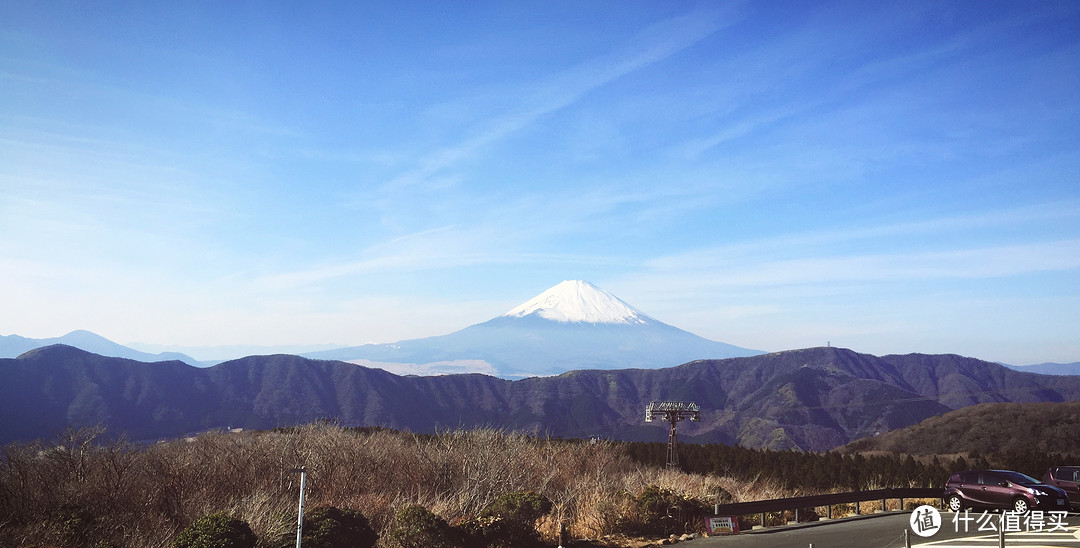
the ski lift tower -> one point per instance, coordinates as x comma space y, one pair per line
672, 412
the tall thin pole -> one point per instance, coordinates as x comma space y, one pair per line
673, 444
300, 513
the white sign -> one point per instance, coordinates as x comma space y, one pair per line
723, 525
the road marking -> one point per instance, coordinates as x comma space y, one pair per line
1027, 540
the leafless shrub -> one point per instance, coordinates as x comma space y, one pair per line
142, 496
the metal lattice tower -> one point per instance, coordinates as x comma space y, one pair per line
672, 412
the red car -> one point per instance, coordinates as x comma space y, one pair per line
1066, 478
1002, 489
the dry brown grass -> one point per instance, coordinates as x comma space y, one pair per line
141, 497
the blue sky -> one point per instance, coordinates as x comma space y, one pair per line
887, 177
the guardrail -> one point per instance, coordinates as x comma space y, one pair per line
814, 501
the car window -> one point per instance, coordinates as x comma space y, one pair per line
1068, 473
1017, 477
969, 477
989, 478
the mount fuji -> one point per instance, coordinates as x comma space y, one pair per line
574, 325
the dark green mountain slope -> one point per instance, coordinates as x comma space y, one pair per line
988, 428
813, 399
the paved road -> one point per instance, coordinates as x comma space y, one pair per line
887, 531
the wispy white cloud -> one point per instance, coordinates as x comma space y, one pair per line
774, 279
434, 248
740, 128
977, 263
442, 249
654, 44
826, 241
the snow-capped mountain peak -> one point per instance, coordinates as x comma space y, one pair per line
579, 301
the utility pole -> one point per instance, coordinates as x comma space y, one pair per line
672, 412
300, 517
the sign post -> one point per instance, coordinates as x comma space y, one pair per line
722, 525
300, 517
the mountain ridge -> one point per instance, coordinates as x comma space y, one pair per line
12, 346
814, 399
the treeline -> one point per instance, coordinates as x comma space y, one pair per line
832, 470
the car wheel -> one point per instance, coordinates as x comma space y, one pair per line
955, 503
1021, 506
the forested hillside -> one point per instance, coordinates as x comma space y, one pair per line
989, 429
812, 399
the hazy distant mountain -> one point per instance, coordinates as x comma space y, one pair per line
815, 399
1049, 368
574, 325
210, 355
13, 345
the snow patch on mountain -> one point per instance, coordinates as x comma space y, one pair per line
579, 301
